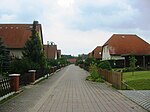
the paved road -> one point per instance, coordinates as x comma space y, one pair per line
141, 97
67, 91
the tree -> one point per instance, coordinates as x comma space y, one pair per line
79, 60
88, 62
33, 50
132, 63
1, 55
4, 57
52, 62
62, 61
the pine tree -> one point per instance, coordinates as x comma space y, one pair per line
4, 57
33, 50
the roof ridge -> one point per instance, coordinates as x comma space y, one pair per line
17, 24
124, 34
143, 40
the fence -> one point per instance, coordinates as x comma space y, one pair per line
5, 87
8, 85
115, 78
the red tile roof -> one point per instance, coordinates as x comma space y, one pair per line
97, 52
121, 44
16, 35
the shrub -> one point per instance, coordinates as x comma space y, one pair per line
139, 69
89, 78
94, 76
99, 80
52, 62
105, 65
94, 72
88, 62
19, 66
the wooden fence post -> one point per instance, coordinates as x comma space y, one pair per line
121, 79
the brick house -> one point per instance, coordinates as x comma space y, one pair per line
120, 47
14, 37
96, 53
51, 51
72, 60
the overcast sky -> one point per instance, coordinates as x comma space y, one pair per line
78, 26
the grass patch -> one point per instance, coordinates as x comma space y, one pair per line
139, 81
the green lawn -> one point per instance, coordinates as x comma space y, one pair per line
139, 81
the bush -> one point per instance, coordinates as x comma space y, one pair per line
105, 65
94, 76
99, 80
89, 78
139, 69
88, 62
52, 62
94, 72
18, 66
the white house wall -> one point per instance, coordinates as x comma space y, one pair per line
16, 53
55, 55
105, 53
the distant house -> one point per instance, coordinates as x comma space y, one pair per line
51, 51
96, 53
72, 60
120, 47
14, 37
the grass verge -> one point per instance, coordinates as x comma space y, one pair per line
139, 81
